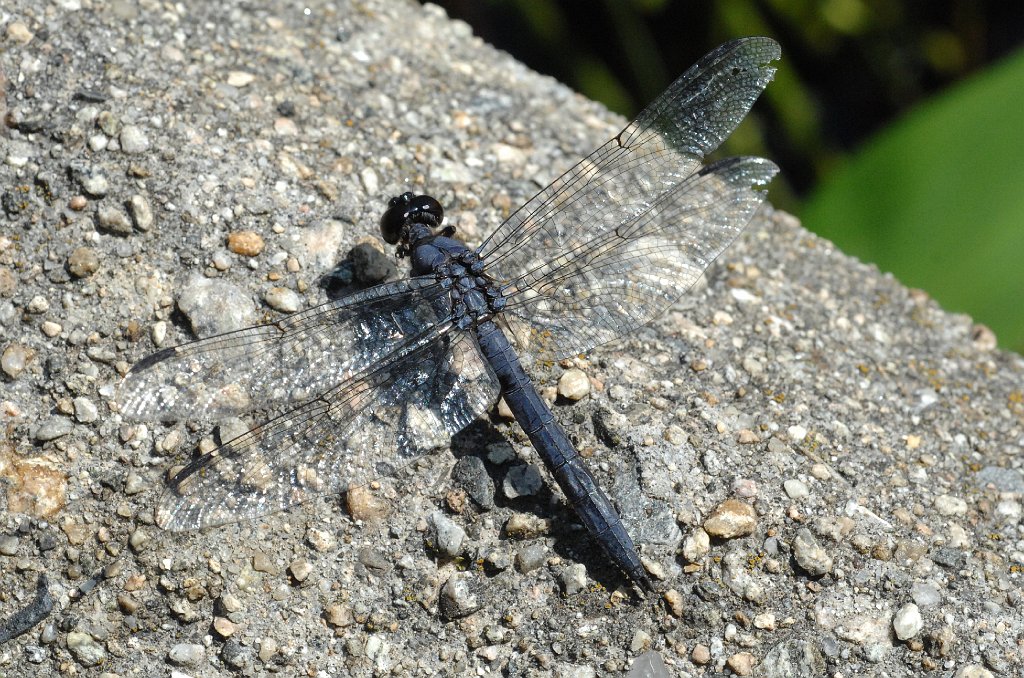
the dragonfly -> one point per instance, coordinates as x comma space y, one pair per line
363, 384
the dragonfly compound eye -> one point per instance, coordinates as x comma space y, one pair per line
409, 208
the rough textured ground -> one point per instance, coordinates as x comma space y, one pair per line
853, 450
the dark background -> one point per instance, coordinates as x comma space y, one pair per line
850, 70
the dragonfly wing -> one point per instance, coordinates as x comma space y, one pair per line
402, 405
291, 360
623, 278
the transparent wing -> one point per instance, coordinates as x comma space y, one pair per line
605, 286
651, 156
410, 401
292, 360
617, 238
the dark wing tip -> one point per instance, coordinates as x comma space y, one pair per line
152, 359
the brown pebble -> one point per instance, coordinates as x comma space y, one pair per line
732, 518
363, 504
246, 243
78, 202
741, 663
83, 262
223, 627
701, 654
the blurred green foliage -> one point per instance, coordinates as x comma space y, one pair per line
938, 199
849, 69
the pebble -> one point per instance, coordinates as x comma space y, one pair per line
369, 265
186, 654
83, 262
223, 627
522, 481
641, 641
925, 594
809, 555
50, 328
573, 579
8, 545
14, 360
282, 299
245, 243
52, 428
114, 219
446, 536
215, 306
471, 475
907, 623
78, 202
142, 213
730, 519
701, 654
574, 384
948, 505
38, 304
530, 557
974, 671
696, 546
741, 663
795, 489
300, 570
362, 504
268, 648
95, 185
793, 658
85, 410
459, 597
240, 78
85, 649
338, 615
19, 32
133, 139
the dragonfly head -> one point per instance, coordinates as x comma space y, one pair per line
406, 211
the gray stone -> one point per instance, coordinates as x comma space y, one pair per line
809, 555
447, 537
133, 140
187, 654
522, 481
85, 649
52, 428
215, 306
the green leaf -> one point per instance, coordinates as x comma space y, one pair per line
938, 200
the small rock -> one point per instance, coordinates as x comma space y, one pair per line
363, 504
573, 579
741, 663
14, 360
641, 641
471, 475
522, 481
18, 32
338, 615
83, 262
85, 649
948, 505
94, 185
223, 627
142, 213
240, 78
795, 489
300, 570
574, 384
133, 139
907, 623
78, 202
38, 304
114, 220
446, 536
701, 654
530, 557
186, 654
245, 243
732, 518
261, 562
696, 546
925, 594
369, 265
282, 299
8, 545
215, 306
52, 428
268, 648
809, 555
974, 671
459, 597
50, 328
85, 410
